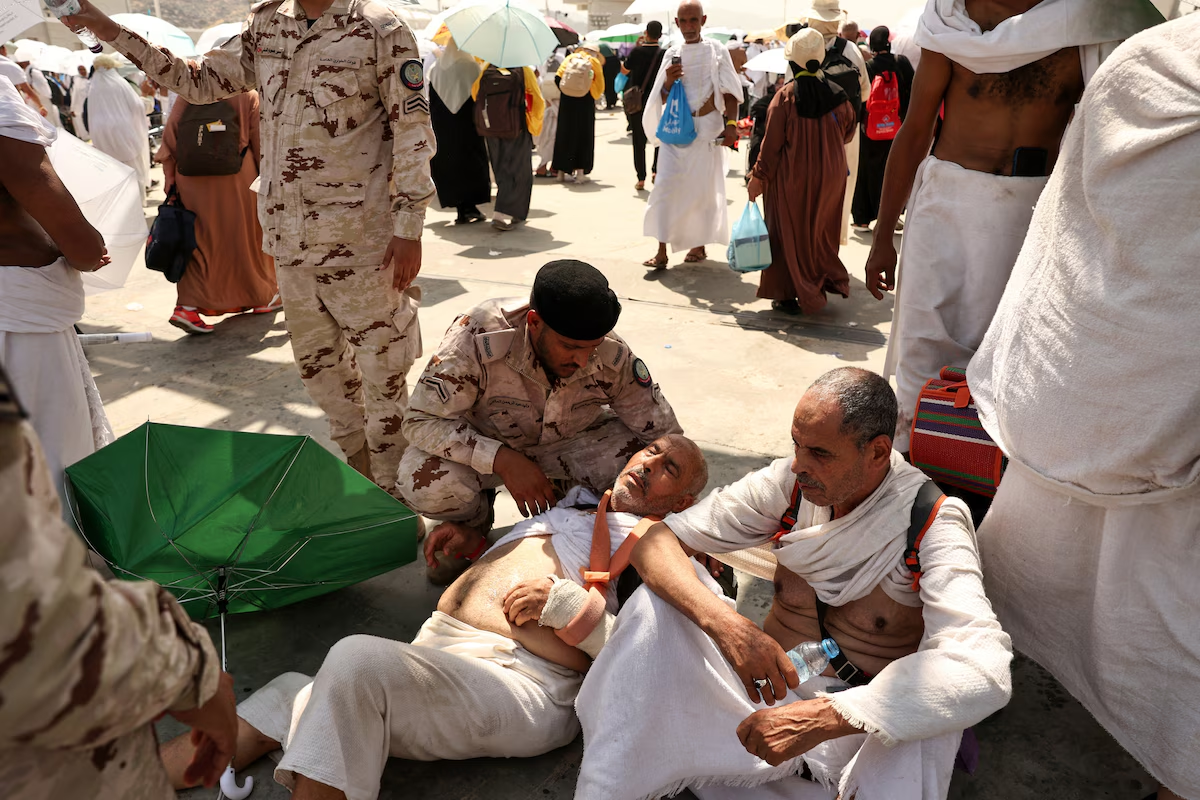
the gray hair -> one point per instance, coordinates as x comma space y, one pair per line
866, 399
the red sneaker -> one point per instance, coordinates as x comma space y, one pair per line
188, 319
276, 304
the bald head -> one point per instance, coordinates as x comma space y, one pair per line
667, 475
690, 19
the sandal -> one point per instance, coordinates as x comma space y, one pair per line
656, 262
695, 258
640, 186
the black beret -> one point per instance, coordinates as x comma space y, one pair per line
574, 300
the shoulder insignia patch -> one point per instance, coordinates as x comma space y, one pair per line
412, 74
641, 373
439, 386
416, 104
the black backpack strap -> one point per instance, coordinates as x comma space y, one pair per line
842, 666
924, 511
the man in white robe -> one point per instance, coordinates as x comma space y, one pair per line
79, 93
1087, 380
117, 118
677, 686
494, 671
1008, 80
16, 75
45, 243
687, 207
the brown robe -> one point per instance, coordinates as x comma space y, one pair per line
228, 270
802, 165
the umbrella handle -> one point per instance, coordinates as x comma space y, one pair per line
230, 786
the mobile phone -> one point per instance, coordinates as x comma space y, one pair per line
676, 59
1030, 162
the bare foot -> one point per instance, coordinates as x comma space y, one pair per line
695, 255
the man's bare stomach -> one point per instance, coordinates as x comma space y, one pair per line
23, 243
477, 598
988, 117
872, 632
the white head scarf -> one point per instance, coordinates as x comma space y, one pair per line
453, 75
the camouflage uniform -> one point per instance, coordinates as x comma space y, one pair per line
484, 389
85, 664
346, 143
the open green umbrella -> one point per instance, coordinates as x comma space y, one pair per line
232, 522
504, 33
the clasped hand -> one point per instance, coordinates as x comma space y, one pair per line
779, 734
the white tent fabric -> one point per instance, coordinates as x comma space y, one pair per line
110, 196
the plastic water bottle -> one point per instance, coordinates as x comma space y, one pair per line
811, 658
65, 8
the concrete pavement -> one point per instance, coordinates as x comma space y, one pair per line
732, 368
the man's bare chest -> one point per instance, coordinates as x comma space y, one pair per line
875, 619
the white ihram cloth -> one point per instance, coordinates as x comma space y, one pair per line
687, 207
1095, 26
79, 90
657, 662
965, 229
117, 122
456, 692
39, 350
1092, 541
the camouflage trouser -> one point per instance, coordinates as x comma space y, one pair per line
446, 490
354, 338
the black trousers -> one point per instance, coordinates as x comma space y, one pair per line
639, 146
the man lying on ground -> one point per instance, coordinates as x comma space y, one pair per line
488, 674
839, 513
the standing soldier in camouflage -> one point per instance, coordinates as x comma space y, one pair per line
342, 191
86, 664
520, 392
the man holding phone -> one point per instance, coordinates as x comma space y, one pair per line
1005, 75
687, 207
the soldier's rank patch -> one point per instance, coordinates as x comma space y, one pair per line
413, 74
416, 103
641, 372
439, 386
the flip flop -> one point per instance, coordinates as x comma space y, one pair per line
655, 263
692, 258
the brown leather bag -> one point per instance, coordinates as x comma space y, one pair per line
633, 99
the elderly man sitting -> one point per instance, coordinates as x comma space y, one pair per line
493, 672
839, 513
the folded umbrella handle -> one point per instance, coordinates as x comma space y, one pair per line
230, 787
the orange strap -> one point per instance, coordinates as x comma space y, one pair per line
585, 621
603, 570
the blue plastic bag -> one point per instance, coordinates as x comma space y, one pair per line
750, 245
620, 83
676, 126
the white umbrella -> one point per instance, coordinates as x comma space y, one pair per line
110, 198
54, 59
651, 6
158, 32
504, 33
217, 35
18, 16
773, 61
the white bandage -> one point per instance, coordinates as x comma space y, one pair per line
569, 603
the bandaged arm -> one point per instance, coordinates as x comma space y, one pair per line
578, 615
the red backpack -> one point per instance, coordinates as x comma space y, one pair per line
883, 107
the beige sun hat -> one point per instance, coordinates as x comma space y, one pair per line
805, 45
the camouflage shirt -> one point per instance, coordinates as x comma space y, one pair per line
485, 388
346, 136
85, 664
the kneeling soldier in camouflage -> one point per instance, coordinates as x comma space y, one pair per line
520, 392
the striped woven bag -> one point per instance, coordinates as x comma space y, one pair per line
948, 442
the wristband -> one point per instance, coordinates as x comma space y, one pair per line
483, 546
732, 122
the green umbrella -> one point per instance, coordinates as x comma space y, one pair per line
232, 522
